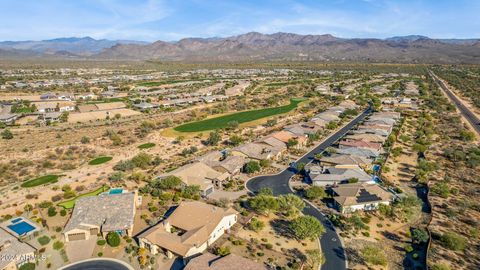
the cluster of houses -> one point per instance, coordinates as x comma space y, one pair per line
344, 169
321, 120
187, 232
172, 97
211, 170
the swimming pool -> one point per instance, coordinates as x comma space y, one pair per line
21, 228
116, 191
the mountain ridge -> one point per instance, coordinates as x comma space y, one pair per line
255, 46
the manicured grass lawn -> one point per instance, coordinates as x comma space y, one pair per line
40, 181
146, 145
240, 117
71, 203
99, 160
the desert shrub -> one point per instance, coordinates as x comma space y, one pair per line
43, 240
256, 225
57, 245
453, 241
374, 255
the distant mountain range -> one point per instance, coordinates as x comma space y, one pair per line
72, 46
257, 47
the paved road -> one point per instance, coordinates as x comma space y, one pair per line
330, 242
466, 112
98, 264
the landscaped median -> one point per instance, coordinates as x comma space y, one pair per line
42, 180
239, 117
71, 203
99, 160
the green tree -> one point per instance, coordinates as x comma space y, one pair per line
232, 125
263, 204
315, 192
52, 211
290, 204
142, 160
256, 225
306, 227
213, 138
235, 140
292, 143
169, 182
251, 167
265, 191
7, 134
222, 251
314, 257
113, 239
419, 236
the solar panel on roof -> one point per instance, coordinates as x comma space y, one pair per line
365, 196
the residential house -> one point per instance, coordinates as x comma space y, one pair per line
66, 106
44, 107
48, 96
373, 126
359, 196
143, 106
189, 230
371, 130
50, 116
257, 151
8, 118
66, 96
222, 162
368, 153
367, 137
345, 161
199, 174
100, 215
208, 261
86, 96
323, 176
377, 147
13, 252
285, 136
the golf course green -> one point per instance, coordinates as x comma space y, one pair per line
240, 117
42, 180
99, 160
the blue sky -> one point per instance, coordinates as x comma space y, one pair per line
175, 19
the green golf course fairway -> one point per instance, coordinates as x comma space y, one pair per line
42, 180
241, 117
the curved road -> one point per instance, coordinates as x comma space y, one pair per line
331, 245
98, 264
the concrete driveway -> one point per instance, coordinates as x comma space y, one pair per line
80, 250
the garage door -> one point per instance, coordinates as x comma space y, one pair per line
94, 231
76, 236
